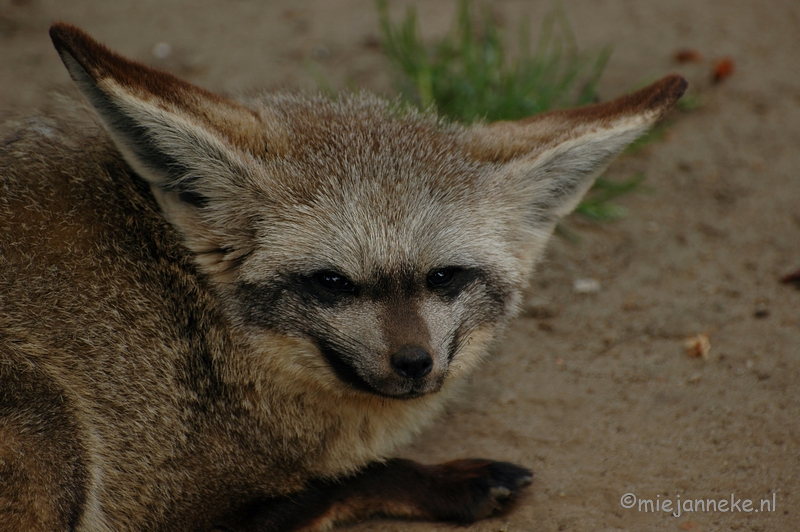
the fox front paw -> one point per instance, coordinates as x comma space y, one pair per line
462, 491
473, 489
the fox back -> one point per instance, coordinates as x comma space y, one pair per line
212, 305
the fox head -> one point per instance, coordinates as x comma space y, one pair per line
391, 248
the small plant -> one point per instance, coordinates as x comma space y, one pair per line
469, 75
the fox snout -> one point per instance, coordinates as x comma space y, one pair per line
412, 375
406, 362
408, 372
412, 362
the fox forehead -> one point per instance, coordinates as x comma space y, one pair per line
363, 193
360, 145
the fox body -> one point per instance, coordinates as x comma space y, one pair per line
230, 313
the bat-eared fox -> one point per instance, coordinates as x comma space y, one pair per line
228, 314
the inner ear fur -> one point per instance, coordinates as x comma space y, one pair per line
552, 159
195, 148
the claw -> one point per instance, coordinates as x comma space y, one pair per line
500, 492
523, 481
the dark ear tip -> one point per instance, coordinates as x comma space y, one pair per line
78, 50
58, 27
662, 95
673, 80
74, 46
673, 87
71, 41
62, 33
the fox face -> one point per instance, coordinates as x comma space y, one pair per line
391, 247
385, 253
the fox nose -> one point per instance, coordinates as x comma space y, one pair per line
412, 362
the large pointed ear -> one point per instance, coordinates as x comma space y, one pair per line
195, 148
552, 159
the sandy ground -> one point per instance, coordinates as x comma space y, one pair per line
594, 392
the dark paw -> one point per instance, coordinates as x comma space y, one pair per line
483, 486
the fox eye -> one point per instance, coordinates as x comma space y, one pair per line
334, 281
442, 277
